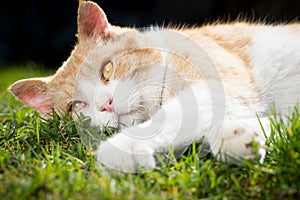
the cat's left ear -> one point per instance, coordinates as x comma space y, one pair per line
92, 22
34, 92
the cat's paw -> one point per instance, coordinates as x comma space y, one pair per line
242, 139
126, 154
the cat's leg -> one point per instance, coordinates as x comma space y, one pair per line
240, 139
134, 147
175, 125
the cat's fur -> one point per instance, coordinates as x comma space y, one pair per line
173, 86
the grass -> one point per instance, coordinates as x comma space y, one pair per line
46, 159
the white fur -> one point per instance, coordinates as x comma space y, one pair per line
202, 110
174, 128
275, 56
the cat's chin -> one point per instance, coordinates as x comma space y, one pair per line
117, 120
100, 119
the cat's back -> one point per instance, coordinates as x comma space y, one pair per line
236, 37
267, 56
255, 60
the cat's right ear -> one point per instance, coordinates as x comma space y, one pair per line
34, 92
92, 22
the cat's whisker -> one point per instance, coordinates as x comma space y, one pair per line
143, 110
148, 86
135, 97
149, 99
147, 103
180, 80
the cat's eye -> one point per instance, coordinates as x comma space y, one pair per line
107, 71
76, 106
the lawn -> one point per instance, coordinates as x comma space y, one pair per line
46, 159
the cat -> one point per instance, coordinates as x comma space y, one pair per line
167, 87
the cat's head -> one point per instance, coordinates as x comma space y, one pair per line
121, 81
113, 74
56, 91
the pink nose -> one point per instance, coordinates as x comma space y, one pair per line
107, 106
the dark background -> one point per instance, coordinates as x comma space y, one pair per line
43, 31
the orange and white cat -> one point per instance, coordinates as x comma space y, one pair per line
170, 87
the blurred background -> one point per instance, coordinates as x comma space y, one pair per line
43, 32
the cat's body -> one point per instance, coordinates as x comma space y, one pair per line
171, 87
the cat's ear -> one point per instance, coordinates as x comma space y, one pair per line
34, 92
92, 22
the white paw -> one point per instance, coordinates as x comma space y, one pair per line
126, 154
242, 139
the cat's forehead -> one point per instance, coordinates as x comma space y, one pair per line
114, 49
121, 43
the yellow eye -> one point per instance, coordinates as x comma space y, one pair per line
107, 71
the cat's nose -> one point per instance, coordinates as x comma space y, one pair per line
107, 106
